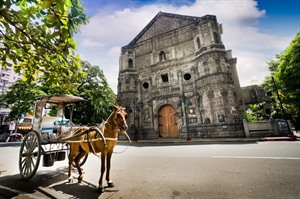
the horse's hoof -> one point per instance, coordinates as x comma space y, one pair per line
79, 179
70, 180
110, 184
100, 189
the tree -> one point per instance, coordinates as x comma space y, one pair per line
284, 82
268, 85
94, 88
256, 112
288, 73
21, 98
36, 37
100, 97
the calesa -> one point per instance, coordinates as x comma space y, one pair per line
63, 135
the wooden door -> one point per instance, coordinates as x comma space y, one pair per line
167, 121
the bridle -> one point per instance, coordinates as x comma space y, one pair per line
122, 125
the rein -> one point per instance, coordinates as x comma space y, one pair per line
91, 141
119, 152
125, 149
111, 129
70, 138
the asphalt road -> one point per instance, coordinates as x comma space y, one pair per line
213, 170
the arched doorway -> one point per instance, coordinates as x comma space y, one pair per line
167, 121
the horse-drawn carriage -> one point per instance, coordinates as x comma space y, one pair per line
52, 136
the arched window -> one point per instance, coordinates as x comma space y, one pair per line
162, 56
130, 63
198, 42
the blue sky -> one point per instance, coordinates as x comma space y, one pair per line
255, 30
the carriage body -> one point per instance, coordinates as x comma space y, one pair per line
51, 136
44, 140
52, 127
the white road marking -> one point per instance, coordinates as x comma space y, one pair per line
249, 157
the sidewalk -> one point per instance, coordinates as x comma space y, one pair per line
211, 140
295, 137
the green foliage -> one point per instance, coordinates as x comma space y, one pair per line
256, 112
36, 38
94, 88
285, 70
273, 64
20, 98
100, 97
288, 74
250, 116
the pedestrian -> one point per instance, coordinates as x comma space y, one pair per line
12, 127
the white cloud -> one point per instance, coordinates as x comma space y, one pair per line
120, 26
109, 30
251, 71
88, 42
114, 51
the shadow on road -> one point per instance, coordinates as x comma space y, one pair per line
47, 184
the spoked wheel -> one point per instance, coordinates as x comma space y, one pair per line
30, 155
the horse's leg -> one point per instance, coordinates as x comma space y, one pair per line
101, 188
77, 159
73, 152
108, 164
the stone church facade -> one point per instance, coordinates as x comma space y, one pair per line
176, 80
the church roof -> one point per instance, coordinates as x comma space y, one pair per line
164, 22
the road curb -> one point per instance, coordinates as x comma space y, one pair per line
289, 138
207, 140
192, 141
5, 144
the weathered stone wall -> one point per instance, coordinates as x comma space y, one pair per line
186, 67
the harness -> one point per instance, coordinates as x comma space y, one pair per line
91, 140
98, 136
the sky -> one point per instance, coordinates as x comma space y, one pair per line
255, 30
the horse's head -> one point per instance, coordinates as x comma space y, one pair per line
120, 117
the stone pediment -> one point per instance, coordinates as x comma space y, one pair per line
163, 23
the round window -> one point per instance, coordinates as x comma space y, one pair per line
146, 85
187, 76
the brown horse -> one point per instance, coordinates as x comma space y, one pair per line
93, 141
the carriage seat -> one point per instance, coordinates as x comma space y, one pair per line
67, 130
49, 123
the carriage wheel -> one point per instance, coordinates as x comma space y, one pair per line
30, 155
